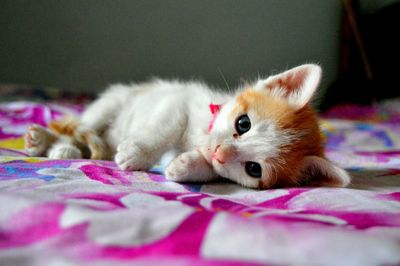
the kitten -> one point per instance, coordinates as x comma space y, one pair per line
263, 135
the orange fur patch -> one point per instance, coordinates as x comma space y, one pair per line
64, 127
264, 105
96, 151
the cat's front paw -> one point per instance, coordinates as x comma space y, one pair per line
189, 166
130, 157
179, 169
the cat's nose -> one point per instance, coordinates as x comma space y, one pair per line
225, 153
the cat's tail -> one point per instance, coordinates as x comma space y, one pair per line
85, 139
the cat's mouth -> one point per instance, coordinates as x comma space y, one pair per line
215, 158
219, 168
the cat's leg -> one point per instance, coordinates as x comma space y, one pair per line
54, 143
148, 142
88, 130
38, 140
190, 166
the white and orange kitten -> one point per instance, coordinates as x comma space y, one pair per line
263, 135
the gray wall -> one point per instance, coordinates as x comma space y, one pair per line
85, 45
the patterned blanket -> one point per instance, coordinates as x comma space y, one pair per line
79, 212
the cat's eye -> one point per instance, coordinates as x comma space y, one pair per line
243, 124
253, 169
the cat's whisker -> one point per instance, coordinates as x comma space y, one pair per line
224, 79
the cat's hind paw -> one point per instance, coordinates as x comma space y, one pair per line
64, 151
38, 139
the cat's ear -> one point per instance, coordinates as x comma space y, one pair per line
297, 85
317, 171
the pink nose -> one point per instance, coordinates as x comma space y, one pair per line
225, 153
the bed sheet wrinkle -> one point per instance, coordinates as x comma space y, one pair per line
90, 212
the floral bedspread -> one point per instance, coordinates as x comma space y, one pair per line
80, 212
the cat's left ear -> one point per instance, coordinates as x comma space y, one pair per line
297, 85
318, 171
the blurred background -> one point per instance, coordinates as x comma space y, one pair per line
84, 46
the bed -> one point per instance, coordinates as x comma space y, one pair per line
78, 212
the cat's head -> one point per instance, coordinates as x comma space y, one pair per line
268, 135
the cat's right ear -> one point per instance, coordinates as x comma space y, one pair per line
297, 85
318, 171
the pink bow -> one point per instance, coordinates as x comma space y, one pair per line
214, 109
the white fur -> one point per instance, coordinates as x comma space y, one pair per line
141, 122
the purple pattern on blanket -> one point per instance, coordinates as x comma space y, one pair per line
16, 117
86, 212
